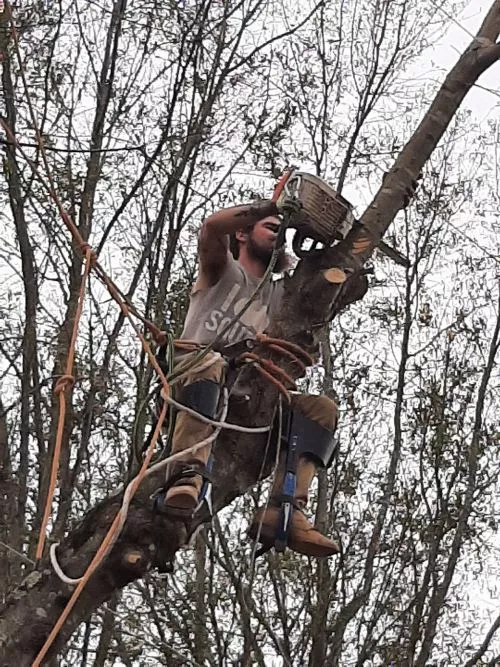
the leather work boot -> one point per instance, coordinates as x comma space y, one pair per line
182, 497
303, 536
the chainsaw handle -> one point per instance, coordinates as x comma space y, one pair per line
280, 186
298, 239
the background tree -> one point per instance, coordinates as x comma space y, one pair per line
151, 118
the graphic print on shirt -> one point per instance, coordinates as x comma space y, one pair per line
254, 320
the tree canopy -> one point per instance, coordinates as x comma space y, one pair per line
146, 118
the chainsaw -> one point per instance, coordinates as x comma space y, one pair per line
325, 216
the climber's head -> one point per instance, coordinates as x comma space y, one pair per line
259, 243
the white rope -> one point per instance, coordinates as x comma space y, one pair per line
213, 422
57, 568
198, 445
127, 496
219, 425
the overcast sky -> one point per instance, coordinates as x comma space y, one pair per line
460, 33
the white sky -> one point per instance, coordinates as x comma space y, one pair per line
462, 29
436, 63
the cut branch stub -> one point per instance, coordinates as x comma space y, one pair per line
310, 300
335, 276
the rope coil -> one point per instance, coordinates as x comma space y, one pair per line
271, 372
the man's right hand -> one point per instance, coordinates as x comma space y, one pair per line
288, 204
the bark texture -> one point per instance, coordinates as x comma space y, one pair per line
309, 301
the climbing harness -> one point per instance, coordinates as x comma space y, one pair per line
200, 400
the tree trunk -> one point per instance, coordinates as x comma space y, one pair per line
106, 637
309, 300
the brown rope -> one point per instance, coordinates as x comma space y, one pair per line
66, 381
289, 355
286, 345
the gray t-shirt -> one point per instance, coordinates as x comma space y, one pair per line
212, 308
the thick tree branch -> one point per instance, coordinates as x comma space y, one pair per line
309, 301
317, 295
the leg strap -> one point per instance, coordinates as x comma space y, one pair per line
202, 396
309, 439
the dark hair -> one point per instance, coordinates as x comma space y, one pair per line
234, 246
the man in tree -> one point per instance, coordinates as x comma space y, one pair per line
235, 248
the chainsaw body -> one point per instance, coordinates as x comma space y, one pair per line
325, 217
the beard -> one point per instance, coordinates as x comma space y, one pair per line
283, 261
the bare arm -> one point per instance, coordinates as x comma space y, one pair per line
214, 236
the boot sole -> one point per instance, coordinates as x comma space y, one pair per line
314, 550
266, 538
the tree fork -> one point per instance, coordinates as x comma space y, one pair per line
310, 300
